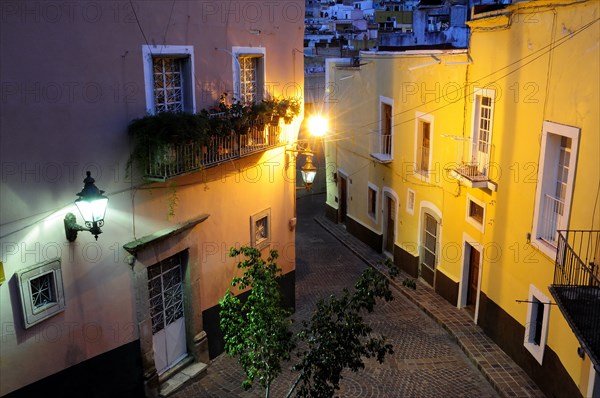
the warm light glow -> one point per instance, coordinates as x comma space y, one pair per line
317, 125
92, 211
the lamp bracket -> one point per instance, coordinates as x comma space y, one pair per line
71, 227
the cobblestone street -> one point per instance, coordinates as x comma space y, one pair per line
426, 362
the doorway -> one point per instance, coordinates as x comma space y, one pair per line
389, 216
343, 194
469, 295
165, 288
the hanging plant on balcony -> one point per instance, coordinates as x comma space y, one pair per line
155, 135
288, 109
276, 109
158, 138
225, 119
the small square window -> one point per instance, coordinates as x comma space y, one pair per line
475, 214
260, 229
410, 202
41, 289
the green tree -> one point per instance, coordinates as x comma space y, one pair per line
335, 337
257, 331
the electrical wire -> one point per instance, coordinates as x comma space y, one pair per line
461, 90
168, 22
139, 25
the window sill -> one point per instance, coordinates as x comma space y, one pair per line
535, 350
475, 182
545, 247
382, 157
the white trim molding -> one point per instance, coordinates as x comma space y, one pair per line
42, 292
149, 52
433, 210
550, 147
463, 284
379, 147
411, 198
389, 192
374, 215
259, 52
260, 229
537, 301
479, 226
421, 117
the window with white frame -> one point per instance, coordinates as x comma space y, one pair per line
430, 225
423, 137
483, 113
42, 293
167, 73
410, 201
249, 74
373, 194
260, 229
475, 212
383, 145
386, 129
536, 326
169, 77
558, 159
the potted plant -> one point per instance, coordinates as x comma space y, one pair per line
154, 136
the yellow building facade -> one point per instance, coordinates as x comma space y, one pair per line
462, 165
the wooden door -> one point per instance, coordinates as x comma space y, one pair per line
389, 238
343, 199
473, 276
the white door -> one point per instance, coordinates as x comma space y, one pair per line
166, 306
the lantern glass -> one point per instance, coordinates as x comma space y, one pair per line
92, 210
308, 176
308, 171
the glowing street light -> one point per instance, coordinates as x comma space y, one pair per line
92, 206
317, 125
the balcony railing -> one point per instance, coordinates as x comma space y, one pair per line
552, 218
382, 148
576, 286
473, 165
177, 159
471, 171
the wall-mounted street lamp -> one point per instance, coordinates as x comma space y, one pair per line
92, 206
308, 171
317, 126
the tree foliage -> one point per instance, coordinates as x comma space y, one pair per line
336, 337
257, 331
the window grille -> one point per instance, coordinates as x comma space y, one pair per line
168, 84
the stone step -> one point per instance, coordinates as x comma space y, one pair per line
186, 374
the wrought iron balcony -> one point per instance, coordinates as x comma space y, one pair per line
381, 148
473, 169
172, 160
576, 286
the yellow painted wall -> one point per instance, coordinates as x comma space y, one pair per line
537, 75
551, 79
